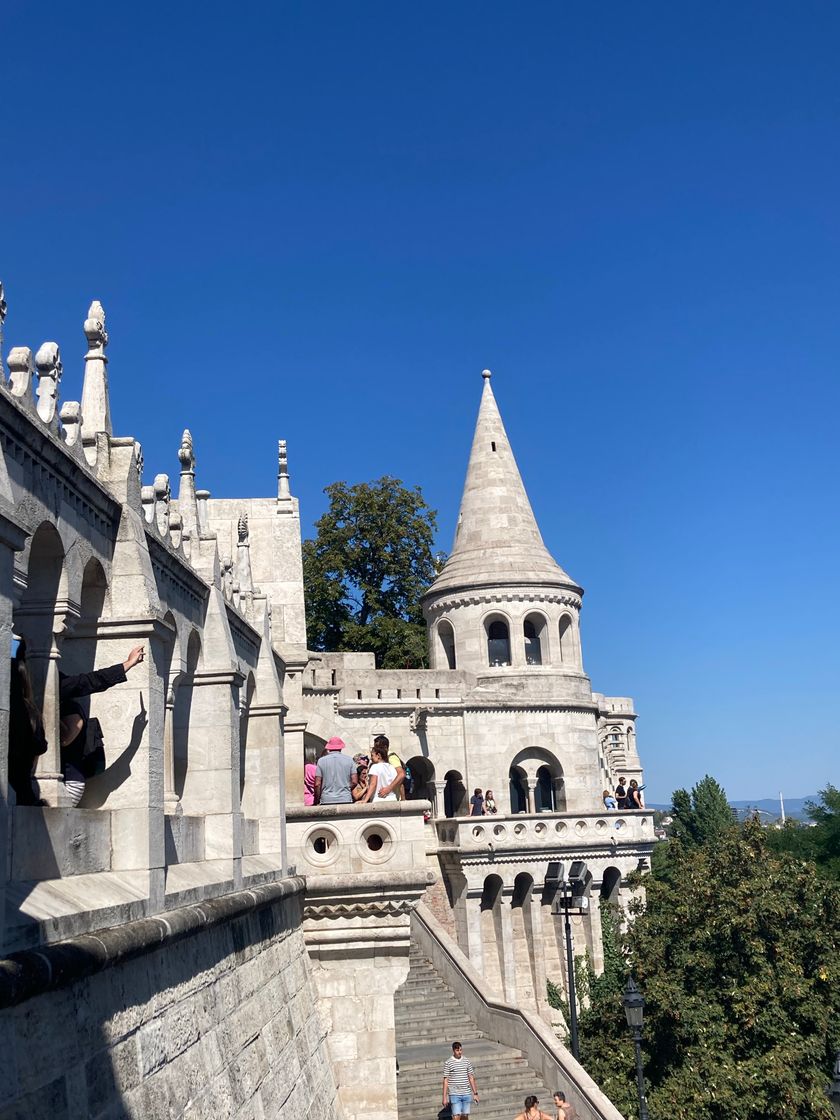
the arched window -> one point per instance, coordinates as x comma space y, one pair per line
544, 791
446, 637
518, 790
567, 640
532, 630
498, 643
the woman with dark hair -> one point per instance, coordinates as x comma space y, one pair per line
532, 1110
634, 796
27, 738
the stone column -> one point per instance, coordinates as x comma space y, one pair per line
474, 947
43, 631
508, 953
440, 799
12, 539
264, 775
132, 716
529, 795
171, 800
211, 786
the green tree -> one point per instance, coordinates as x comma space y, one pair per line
366, 569
738, 957
703, 814
820, 842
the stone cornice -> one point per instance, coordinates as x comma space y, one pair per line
436, 605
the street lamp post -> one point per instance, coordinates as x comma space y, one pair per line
634, 1009
570, 964
834, 1087
574, 898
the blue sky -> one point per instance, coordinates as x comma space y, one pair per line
321, 221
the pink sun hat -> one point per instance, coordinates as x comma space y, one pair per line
335, 744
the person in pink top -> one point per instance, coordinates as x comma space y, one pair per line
310, 771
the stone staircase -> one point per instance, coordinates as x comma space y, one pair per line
428, 1019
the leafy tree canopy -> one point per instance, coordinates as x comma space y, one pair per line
366, 569
738, 956
820, 842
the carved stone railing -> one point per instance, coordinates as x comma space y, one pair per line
574, 830
353, 839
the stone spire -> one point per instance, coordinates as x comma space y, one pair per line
497, 541
2, 321
187, 500
284, 493
96, 408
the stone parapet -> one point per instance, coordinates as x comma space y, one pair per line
569, 833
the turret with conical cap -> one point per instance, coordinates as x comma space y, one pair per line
498, 558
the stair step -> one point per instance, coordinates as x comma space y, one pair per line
428, 1016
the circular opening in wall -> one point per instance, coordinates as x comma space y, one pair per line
519, 829
560, 826
499, 830
322, 845
540, 829
478, 832
376, 843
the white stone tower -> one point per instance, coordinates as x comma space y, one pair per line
502, 607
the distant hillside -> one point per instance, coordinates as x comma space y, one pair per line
794, 806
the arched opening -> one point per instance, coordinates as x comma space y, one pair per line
533, 629
171, 801
567, 640
538, 769
498, 643
455, 795
181, 712
544, 791
446, 643
78, 651
36, 621
611, 886
420, 779
518, 782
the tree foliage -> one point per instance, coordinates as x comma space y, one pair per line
738, 956
702, 815
820, 842
366, 569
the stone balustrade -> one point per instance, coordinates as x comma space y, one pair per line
354, 839
576, 830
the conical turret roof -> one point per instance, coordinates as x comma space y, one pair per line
497, 541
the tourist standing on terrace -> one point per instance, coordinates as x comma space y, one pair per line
335, 775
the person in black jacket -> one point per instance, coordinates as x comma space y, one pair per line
27, 738
74, 717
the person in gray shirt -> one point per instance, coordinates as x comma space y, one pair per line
335, 776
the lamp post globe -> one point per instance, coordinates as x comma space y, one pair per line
634, 1007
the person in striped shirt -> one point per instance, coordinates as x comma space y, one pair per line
459, 1086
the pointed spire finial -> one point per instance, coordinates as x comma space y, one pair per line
187, 501
486, 374
3, 310
242, 527
96, 407
186, 454
284, 493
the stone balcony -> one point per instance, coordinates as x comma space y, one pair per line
549, 830
354, 839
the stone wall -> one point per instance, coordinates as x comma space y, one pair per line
208, 1011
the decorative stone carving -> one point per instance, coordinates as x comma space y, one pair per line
202, 497
96, 408
163, 497
21, 369
71, 419
147, 500
48, 363
284, 493
187, 502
